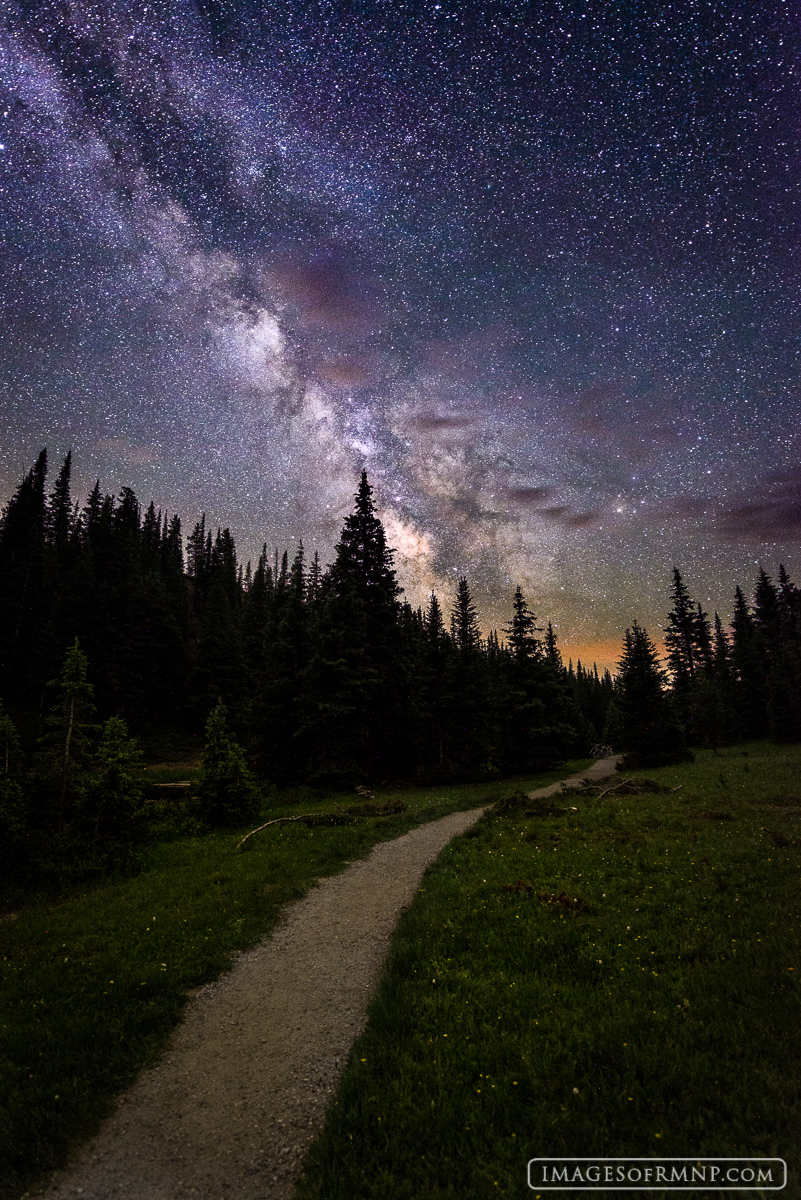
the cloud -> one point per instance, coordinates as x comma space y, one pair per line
325, 294
770, 513
345, 373
534, 500
578, 520
428, 423
529, 497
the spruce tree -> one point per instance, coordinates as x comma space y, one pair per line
113, 798
521, 634
278, 690
431, 694
355, 684
750, 672
552, 649
24, 597
472, 748
14, 815
62, 762
649, 730
59, 509
227, 792
542, 723
464, 620
681, 645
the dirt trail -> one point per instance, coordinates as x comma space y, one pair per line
600, 769
246, 1077
244, 1083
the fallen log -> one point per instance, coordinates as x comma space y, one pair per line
267, 824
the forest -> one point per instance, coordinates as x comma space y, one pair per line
116, 632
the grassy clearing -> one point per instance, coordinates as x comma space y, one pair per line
93, 978
664, 1019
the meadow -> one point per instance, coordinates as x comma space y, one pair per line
620, 977
94, 976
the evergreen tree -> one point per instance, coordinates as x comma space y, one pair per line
775, 620
13, 813
750, 672
354, 687
65, 748
363, 565
464, 620
278, 691
23, 594
471, 747
650, 732
541, 719
112, 806
219, 658
59, 509
227, 792
681, 644
552, 649
435, 669
688, 640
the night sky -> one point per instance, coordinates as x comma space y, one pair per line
536, 266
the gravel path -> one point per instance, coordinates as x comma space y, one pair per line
244, 1083
243, 1086
600, 769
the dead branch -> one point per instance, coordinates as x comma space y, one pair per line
277, 821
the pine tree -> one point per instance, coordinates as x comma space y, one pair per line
278, 690
14, 817
315, 576
472, 747
363, 566
775, 622
430, 693
521, 634
688, 640
59, 509
464, 620
650, 732
227, 792
541, 723
24, 598
65, 749
681, 639
552, 649
354, 687
218, 603
113, 801
750, 672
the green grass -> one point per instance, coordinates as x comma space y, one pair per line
662, 1020
93, 978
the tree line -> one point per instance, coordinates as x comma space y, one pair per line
326, 675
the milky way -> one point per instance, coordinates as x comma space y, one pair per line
535, 266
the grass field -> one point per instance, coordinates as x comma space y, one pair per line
93, 978
663, 1018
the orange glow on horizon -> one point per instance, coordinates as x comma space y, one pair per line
605, 654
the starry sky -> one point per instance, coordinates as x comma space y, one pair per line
535, 266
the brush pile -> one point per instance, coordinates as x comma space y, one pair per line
632, 785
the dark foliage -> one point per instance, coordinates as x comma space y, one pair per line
326, 675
